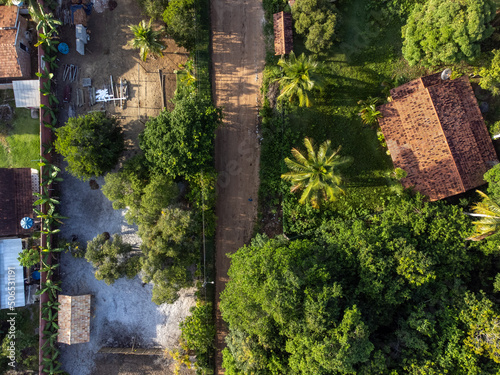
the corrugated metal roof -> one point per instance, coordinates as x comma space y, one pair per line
9, 252
27, 93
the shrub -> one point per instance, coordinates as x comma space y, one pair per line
91, 144
180, 22
447, 31
316, 20
181, 142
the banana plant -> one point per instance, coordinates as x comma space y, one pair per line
51, 60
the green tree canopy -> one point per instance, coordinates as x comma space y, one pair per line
389, 292
447, 31
316, 173
179, 17
490, 75
170, 248
91, 144
316, 20
301, 75
147, 40
112, 258
181, 142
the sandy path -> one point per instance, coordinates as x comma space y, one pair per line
238, 62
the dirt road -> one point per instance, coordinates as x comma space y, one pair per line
238, 62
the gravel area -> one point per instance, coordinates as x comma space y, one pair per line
122, 313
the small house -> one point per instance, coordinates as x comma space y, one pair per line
16, 200
15, 62
283, 33
434, 131
74, 319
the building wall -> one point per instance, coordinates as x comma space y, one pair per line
23, 57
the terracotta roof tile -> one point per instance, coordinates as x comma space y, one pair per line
74, 319
435, 132
283, 34
16, 200
8, 16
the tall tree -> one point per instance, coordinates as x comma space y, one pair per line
316, 20
447, 31
147, 40
300, 76
387, 293
316, 173
179, 17
180, 143
91, 144
488, 210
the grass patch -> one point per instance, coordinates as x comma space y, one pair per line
363, 64
20, 140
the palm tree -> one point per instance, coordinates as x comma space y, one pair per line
316, 173
489, 212
300, 77
146, 40
368, 111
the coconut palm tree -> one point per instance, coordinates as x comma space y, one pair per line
489, 213
300, 77
368, 111
316, 173
146, 40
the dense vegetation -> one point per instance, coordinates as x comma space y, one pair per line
447, 31
400, 290
377, 280
90, 144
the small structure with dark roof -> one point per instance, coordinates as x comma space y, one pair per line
74, 319
16, 200
283, 34
15, 60
435, 132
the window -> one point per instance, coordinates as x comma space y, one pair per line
23, 47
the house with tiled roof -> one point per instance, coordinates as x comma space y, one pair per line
16, 200
434, 131
283, 33
74, 319
14, 45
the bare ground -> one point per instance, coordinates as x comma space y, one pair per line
238, 63
122, 314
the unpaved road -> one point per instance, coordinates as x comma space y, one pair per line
238, 63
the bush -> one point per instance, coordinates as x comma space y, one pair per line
447, 31
180, 143
112, 258
91, 144
153, 8
316, 20
179, 17
490, 76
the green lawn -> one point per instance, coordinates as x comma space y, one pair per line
368, 56
20, 141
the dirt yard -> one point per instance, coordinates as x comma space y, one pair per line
122, 314
107, 54
238, 63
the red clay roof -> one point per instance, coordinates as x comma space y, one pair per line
9, 64
16, 201
435, 132
74, 319
8, 16
283, 34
